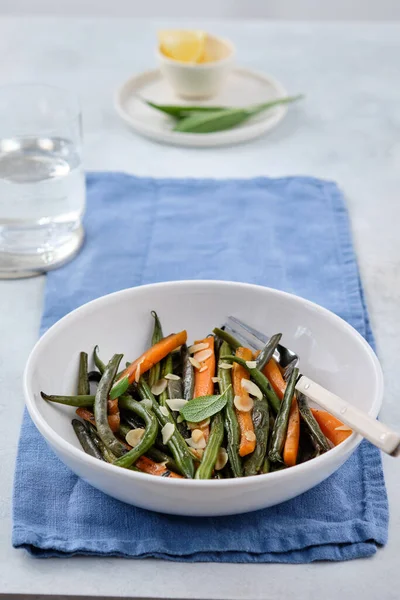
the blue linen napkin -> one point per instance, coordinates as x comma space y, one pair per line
290, 233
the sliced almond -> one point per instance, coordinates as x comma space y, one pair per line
167, 432
251, 364
176, 403
199, 446
172, 377
147, 403
195, 363
159, 387
243, 403
222, 459
134, 436
343, 428
250, 436
204, 424
197, 435
215, 379
251, 388
225, 365
203, 355
198, 347
164, 411
203, 368
197, 441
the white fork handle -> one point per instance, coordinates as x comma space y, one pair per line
374, 431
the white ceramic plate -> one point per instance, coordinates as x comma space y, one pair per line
331, 352
243, 88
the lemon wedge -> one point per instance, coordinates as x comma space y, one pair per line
184, 46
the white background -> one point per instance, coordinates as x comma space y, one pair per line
270, 9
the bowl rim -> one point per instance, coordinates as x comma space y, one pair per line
346, 447
201, 66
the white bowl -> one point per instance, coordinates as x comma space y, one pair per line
203, 80
331, 352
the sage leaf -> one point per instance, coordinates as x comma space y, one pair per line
201, 408
223, 119
119, 388
182, 111
209, 122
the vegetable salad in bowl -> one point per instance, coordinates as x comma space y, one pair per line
212, 410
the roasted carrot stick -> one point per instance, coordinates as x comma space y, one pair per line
86, 415
203, 383
291, 448
329, 425
153, 355
247, 435
113, 419
153, 468
274, 375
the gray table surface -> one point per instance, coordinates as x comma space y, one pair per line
348, 130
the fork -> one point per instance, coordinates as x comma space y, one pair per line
374, 431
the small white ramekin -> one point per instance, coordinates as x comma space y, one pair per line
199, 80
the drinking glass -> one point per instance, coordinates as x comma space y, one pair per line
42, 185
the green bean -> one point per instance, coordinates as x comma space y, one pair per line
282, 419
97, 361
100, 408
174, 387
155, 453
217, 347
83, 379
316, 434
154, 373
260, 416
268, 351
85, 440
187, 374
230, 419
78, 401
260, 379
211, 450
176, 443
266, 466
227, 337
308, 447
131, 420
166, 369
149, 435
105, 452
